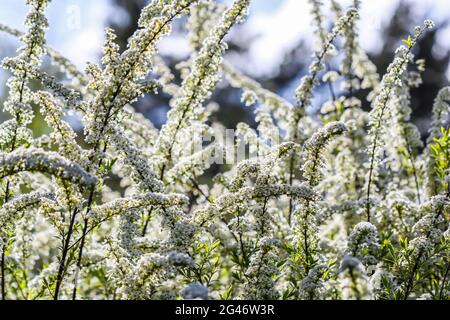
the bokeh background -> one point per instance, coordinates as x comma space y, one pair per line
274, 46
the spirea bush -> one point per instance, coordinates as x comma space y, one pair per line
339, 204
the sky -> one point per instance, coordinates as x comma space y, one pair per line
282, 23
77, 27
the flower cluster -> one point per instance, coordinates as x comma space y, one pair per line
342, 205
200, 82
380, 109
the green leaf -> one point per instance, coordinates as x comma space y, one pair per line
408, 41
215, 245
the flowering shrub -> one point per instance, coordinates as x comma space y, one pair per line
345, 205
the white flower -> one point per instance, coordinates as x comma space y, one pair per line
363, 243
429, 24
38, 160
314, 148
195, 291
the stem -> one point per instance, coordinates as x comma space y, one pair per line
444, 281
305, 242
3, 273
413, 166
291, 179
3, 259
80, 254
83, 237
330, 86
262, 214
372, 161
378, 126
147, 221
65, 251
372, 153
331, 89
241, 242
410, 283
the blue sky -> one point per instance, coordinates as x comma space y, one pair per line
75, 25
80, 22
